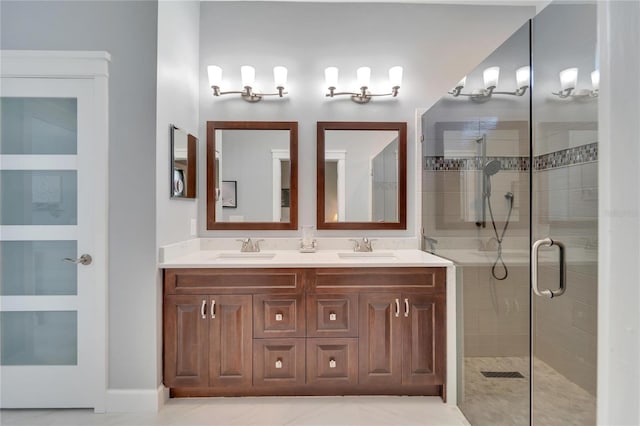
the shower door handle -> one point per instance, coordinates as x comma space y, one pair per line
548, 242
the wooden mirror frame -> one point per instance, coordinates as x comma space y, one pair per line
190, 171
401, 128
292, 127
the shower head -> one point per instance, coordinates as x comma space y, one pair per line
492, 167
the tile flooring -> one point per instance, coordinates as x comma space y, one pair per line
304, 411
496, 402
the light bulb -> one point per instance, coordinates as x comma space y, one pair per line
462, 82
490, 77
280, 76
331, 76
215, 75
395, 76
248, 74
595, 80
364, 76
523, 74
569, 78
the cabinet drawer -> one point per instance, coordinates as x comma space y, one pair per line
278, 362
332, 362
428, 279
278, 315
332, 315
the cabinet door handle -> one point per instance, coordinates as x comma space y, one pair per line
278, 363
397, 308
332, 363
406, 307
332, 316
202, 309
213, 308
279, 316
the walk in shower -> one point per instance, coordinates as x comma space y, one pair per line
499, 173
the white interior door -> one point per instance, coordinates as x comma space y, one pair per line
52, 208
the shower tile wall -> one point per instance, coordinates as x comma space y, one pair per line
565, 329
496, 313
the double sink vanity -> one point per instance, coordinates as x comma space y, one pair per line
331, 318
281, 322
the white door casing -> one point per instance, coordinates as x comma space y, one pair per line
83, 76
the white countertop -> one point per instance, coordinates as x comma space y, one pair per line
295, 259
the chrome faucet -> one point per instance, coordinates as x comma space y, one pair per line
249, 245
363, 245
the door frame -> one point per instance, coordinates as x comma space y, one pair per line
93, 66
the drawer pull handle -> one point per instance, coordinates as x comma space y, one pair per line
332, 363
202, 309
213, 308
278, 363
397, 308
332, 316
278, 317
406, 307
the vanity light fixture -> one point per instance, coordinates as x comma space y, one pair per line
490, 77
569, 82
363, 75
248, 75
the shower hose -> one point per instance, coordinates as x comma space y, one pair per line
499, 238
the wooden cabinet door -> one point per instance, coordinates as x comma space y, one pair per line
230, 340
186, 339
380, 342
423, 336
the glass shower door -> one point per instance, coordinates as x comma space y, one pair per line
565, 211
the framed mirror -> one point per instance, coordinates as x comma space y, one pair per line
361, 175
252, 175
183, 163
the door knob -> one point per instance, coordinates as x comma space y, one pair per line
85, 259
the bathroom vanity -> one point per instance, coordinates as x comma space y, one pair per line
288, 323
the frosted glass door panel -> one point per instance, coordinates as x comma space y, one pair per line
39, 338
36, 268
38, 197
39, 126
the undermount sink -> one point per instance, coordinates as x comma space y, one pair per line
367, 254
246, 255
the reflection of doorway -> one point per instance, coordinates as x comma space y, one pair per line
281, 182
334, 184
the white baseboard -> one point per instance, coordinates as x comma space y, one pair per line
136, 400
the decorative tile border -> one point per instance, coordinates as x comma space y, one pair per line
474, 163
566, 157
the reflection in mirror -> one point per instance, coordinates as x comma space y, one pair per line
252, 183
361, 175
183, 164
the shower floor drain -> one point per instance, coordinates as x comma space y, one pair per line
502, 374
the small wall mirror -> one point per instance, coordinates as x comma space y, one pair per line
183, 163
362, 175
252, 175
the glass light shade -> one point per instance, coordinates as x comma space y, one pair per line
215, 75
395, 76
462, 82
595, 80
280, 76
248, 74
523, 75
569, 78
331, 76
363, 75
490, 77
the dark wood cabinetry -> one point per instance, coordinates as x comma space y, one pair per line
308, 331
